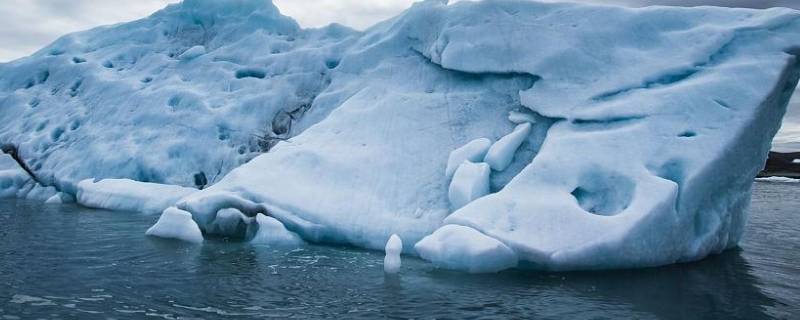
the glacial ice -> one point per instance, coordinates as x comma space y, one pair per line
392, 261
636, 132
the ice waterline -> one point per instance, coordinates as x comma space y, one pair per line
485, 135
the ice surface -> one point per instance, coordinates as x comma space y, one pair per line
470, 182
129, 195
464, 248
392, 262
474, 151
502, 152
176, 224
646, 126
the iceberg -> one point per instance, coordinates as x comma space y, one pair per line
635, 134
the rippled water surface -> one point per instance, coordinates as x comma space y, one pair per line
74, 263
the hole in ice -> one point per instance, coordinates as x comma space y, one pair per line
147, 80
75, 125
251, 73
282, 123
174, 101
73, 90
57, 133
108, 64
43, 76
41, 126
242, 149
56, 52
223, 133
332, 64
688, 134
604, 194
78, 60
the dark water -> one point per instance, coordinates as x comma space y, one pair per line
74, 263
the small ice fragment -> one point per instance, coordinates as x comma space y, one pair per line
502, 152
175, 223
392, 262
474, 151
471, 181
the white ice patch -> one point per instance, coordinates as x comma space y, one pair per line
502, 152
474, 151
392, 262
176, 224
273, 233
470, 182
129, 195
463, 248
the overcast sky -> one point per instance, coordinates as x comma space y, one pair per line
28, 25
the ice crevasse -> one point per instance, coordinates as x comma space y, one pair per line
612, 137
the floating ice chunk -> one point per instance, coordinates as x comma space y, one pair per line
778, 180
463, 248
129, 195
273, 233
192, 53
392, 262
471, 181
502, 152
521, 117
474, 151
176, 224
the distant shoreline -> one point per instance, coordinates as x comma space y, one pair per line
782, 165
